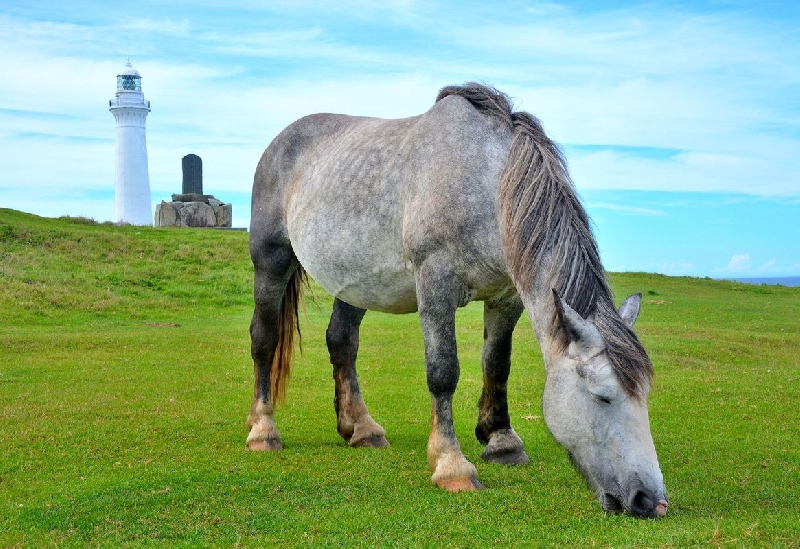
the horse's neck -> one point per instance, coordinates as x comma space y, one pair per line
540, 302
541, 309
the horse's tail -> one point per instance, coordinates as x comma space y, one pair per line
288, 324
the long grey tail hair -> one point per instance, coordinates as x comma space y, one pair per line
288, 326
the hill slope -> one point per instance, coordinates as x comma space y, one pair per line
70, 267
125, 380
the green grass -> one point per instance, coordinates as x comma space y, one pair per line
125, 381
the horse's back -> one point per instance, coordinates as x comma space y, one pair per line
361, 200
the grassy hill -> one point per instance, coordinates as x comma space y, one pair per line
72, 266
125, 380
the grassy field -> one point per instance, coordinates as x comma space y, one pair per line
125, 381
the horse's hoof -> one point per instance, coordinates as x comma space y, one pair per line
513, 457
461, 484
270, 445
374, 441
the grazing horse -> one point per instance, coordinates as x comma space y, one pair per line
469, 201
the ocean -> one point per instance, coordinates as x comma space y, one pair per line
779, 280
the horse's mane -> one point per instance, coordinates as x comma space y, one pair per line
544, 226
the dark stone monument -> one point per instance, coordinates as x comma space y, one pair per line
192, 208
192, 174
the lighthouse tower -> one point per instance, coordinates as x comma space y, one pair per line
132, 190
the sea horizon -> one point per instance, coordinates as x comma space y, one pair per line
768, 280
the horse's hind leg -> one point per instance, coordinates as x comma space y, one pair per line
494, 424
352, 418
274, 266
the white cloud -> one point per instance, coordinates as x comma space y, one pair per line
738, 263
741, 264
715, 89
774, 267
625, 209
165, 26
685, 173
770, 266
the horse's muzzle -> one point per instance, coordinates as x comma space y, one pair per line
645, 505
639, 502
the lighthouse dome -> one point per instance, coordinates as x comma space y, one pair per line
128, 79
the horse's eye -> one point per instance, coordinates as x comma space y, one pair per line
601, 399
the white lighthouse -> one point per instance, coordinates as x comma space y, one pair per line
132, 189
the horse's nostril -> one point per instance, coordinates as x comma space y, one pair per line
642, 504
611, 504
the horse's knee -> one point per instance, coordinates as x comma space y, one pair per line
342, 334
340, 344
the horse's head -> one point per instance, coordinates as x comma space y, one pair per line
603, 425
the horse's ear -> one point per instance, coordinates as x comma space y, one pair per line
629, 310
578, 329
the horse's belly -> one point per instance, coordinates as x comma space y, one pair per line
366, 269
388, 292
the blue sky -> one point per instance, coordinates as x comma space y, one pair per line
680, 120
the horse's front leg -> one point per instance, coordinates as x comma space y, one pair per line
353, 421
436, 296
494, 424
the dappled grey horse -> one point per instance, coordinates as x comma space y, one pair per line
469, 201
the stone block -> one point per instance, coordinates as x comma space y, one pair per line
192, 197
225, 215
197, 214
166, 216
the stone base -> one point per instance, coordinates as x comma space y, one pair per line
207, 213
